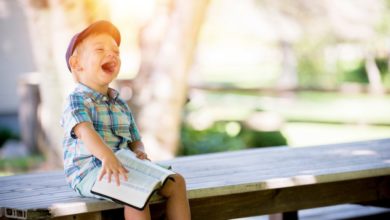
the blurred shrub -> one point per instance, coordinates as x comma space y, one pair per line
356, 74
383, 65
20, 164
213, 139
6, 134
255, 139
218, 139
311, 70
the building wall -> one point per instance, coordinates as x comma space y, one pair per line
16, 59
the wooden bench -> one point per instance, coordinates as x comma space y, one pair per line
229, 185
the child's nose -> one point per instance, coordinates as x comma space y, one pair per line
112, 54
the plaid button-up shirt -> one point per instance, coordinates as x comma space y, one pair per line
111, 118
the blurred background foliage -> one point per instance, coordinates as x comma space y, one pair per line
7, 134
226, 136
324, 49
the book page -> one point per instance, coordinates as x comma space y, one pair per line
131, 162
144, 177
126, 192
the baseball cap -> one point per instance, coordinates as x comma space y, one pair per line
102, 26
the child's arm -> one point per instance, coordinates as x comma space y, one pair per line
138, 148
94, 143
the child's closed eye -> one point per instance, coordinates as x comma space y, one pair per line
101, 50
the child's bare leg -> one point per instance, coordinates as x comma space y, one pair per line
177, 202
135, 214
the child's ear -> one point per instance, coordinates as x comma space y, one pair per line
74, 63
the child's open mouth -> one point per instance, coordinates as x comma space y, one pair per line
109, 67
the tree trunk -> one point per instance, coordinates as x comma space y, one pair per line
160, 89
52, 23
288, 78
374, 76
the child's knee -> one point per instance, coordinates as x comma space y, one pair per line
179, 180
173, 186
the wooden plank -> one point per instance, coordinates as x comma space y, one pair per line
35, 176
322, 158
63, 209
285, 199
9, 196
344, 148
296, 164
261, 174
30, 187
345, 211
223, 187
317, 165
46, 199
85, 216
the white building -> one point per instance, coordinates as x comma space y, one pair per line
16, 59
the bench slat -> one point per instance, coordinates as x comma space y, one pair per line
285, 199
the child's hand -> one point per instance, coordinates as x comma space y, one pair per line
138, 148
141, 154
112, 167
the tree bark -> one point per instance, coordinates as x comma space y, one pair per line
288, 79
160, 88
374, 76
52, 23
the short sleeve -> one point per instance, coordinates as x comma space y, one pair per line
135, 136
76, 111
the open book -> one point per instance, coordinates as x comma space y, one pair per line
144, 178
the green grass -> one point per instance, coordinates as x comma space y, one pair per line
309, 134
10, 166
310, 118
335, 108
307, 106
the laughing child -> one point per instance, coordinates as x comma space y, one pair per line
97, 123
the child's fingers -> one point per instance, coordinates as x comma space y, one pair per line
124, 169
138, 154
125, 177
101, 175
141, 155
109, 174
124, 172
117, 179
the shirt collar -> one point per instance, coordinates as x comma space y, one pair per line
97, 96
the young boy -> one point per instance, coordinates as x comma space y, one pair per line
97, 122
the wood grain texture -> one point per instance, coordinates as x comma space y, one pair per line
255, 181
285, 199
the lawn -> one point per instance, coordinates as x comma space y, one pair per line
309, 134
308, 118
